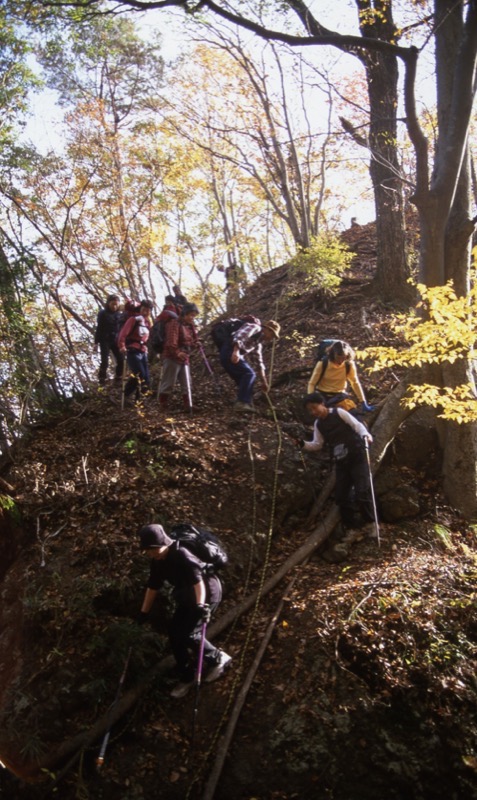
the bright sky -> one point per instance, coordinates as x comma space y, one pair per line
45, 126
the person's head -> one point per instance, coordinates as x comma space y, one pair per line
189, 312
270, 330
315, 405
145, 308
340, 352
154, 541
112, 302
170, 298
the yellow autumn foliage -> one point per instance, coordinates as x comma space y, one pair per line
442, 328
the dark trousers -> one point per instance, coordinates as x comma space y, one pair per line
242, 373
185, 633
139, 369
104, 349
353, 489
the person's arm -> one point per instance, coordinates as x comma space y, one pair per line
357, 426
149, 598
316, 443
355, 383
97, 333
200, 593
315, 377
124, 332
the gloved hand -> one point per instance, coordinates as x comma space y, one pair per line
141, 618
204, 612
366, 407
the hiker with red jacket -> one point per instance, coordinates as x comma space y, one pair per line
132, 341
331, 375
180, 339
105, 337
196, 592
247, 339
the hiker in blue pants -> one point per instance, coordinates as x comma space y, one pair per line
247, 339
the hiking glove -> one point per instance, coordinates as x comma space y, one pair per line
141, 618
365, 406
204, 612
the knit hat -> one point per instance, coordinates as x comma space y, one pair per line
153, 536
273, 326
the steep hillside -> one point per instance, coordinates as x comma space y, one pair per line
366, 688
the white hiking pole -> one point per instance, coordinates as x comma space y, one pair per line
373, 497
188, 386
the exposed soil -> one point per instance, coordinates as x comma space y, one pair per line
367, 688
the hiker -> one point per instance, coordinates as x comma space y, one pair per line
105, 337
196, 593
344, 434
248, 338
132, 341
331, 375
158, 331
179, 299
180, 339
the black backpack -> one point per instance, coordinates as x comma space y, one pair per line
222, 331
157, 337
202, 543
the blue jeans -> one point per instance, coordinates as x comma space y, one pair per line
242, 373
139, 369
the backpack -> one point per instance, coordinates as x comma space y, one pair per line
222, 331
322, 355
202, 543
157, 337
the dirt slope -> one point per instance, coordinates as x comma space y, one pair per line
367, 688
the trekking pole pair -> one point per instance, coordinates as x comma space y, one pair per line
373, 497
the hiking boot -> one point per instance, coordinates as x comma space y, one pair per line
181, 689
218, 669
245, 407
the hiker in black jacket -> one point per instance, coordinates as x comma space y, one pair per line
195, 592
347, 438
105, 337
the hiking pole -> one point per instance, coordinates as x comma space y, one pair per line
207, 364
188, 385
104, 744
198, 674
373, 497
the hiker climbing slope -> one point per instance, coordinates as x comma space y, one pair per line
197, 592
180, 339
244, 340
334, 369
346, 437
105, 337
132, 341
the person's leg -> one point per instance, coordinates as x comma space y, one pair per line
170, 371
119, 358
134, 369
181, 627
103, 366
362, 486
344, 492
242, 373
185, 382
143, 373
